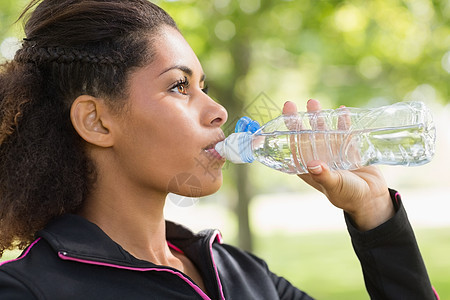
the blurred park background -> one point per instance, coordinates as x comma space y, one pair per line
258, 54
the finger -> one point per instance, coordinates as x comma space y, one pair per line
313, 105
308, 179
293, 123
317, 121
289, 108
344, 118
351, 150
318, 124
291, 120
322, 175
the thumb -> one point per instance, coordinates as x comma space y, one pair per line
321, 173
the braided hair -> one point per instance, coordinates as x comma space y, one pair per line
41, 55
73, 47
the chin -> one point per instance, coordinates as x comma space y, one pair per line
213, 187
195, 185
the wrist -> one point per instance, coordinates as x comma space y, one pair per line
374, 213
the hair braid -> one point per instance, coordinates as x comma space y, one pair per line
42, 55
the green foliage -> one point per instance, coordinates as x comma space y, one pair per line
9, 12
342, 52
324, 265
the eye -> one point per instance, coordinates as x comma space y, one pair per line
181, 86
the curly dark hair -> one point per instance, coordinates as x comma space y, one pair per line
72, 47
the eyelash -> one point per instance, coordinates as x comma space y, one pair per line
181, 83
184, 83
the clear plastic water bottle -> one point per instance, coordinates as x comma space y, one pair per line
346, 138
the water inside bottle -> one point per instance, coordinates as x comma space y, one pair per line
289, 151
407, 145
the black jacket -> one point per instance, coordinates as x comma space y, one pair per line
74, 259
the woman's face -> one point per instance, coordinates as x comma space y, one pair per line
167, 134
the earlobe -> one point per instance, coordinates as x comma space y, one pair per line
90, 117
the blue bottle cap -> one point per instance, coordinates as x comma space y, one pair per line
245, 124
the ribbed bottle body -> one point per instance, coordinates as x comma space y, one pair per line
345, 138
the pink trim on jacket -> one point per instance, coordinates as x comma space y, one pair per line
397, 195
23, 255
64, 256
435, 293
217, 236
174, 247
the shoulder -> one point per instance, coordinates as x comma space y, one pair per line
12, 287
33, 253
230, 257
18, 276
243, 273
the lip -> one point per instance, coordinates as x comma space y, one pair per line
214, 153
220, 138
211, 147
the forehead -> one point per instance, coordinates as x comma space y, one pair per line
171, 48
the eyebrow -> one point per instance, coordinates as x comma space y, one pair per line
184, 69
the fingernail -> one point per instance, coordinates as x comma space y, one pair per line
315, 169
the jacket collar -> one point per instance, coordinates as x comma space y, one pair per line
76, 236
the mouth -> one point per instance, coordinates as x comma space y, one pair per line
210, 148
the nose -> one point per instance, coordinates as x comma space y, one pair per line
214, 114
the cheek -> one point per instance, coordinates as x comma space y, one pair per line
165, 148
163, 130
164, 151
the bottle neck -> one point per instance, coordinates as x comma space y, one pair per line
237, 148
245, 147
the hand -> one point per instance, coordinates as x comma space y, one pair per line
362, 193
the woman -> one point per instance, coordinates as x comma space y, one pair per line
105, 104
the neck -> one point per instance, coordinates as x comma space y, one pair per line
132, 215
134, 221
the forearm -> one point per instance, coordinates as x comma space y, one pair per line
390, 258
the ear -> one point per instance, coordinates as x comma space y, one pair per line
91, 118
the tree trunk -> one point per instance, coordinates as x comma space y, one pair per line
240, 52
245, 240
